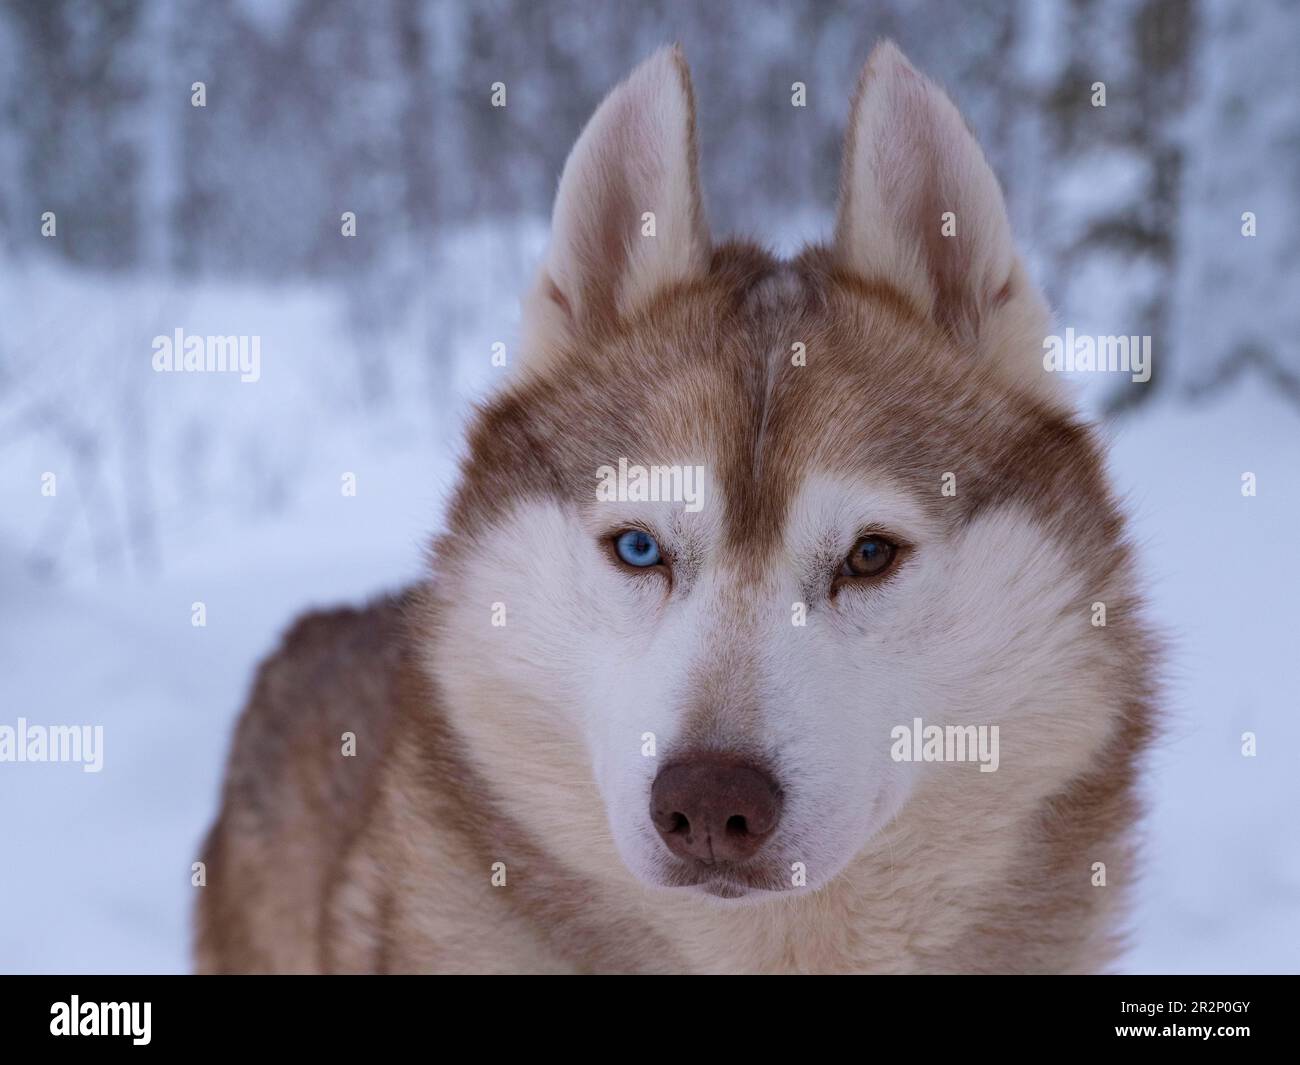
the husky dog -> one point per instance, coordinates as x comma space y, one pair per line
614, 731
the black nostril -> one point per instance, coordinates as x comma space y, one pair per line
680, 824
737, 826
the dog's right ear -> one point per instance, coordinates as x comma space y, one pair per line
628, 218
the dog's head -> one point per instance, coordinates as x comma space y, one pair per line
736, 523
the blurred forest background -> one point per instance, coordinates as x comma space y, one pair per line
167, 213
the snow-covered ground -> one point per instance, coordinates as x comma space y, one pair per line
95, 868
1222, 888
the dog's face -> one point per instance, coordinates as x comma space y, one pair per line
870, 508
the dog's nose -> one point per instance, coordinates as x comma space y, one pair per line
714, 809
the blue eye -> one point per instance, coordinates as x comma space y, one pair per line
638, 548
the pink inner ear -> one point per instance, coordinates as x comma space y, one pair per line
614, 223
930, 148
557, 297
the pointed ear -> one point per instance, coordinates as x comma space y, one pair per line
920, 209
628, 217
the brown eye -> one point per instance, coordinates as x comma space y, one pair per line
870, 557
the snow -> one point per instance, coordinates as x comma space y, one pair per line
1222, 886
96, 870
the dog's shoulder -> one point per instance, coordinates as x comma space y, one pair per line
302, 774
329, 687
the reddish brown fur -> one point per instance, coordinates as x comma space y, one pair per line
303, 831
379, 863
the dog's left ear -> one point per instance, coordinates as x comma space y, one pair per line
921, 209
628, 218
